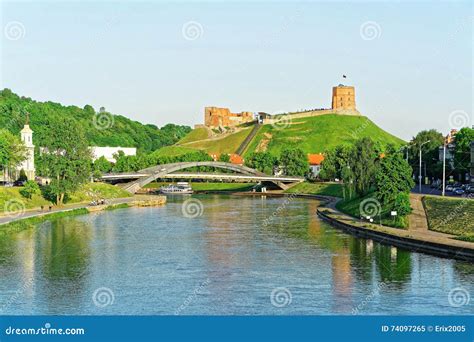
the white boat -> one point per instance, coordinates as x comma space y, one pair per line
179, 188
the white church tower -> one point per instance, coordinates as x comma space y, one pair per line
28, 165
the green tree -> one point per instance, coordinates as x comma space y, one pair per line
393, 177
335, 161
224, 157
262, 161
294, 162
430, 152
363, 160
67, 159
12, 150
462, 151
29, 189
102, 165
22, 177
402, 204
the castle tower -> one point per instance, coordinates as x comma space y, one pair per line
28, 165
343, 98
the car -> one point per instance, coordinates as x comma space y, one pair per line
449, 188
19, 183
459, 191
7, 184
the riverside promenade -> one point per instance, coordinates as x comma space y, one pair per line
138, 200
417, 238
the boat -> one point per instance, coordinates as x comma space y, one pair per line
178, 188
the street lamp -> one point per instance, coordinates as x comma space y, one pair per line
446, 140
405, 147
419, 177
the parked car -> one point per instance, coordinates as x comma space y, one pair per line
449, 188
18, 183
459, 191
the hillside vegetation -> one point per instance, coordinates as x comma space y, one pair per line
312, 135
228, 144
319, 134
451, 215
103, 129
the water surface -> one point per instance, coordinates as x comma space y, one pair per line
227, 261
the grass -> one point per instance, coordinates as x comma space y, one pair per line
211, 186
93, 191
321, 133
195, 135
27, 223
173, 151
13, 194
229, 144
352, 207
328, 189
451, 215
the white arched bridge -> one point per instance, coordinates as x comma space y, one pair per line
242, 173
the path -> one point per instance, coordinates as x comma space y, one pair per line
37, 211
418, 222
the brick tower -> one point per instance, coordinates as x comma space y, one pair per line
343, 98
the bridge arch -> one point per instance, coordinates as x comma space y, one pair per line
152, 173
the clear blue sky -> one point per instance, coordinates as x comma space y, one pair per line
133, 59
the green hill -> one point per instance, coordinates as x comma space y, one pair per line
319, 134
313, 135
229, 143
103, 129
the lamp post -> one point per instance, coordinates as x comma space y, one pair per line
406, 147
444, 167
419, 177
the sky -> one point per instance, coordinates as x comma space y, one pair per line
163, 62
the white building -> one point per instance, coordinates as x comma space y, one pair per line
108, 152
28, 165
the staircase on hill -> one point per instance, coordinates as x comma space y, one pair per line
243, 146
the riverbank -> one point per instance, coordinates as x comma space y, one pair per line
27, 219
429, 242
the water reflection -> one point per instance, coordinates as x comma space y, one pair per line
154, 258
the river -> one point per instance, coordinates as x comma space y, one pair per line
222, 255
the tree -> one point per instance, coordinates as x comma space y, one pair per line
430, 151
29, 189
224, 157
22, 177
102, 165
335, 161
462, 150
294, 162
402, 204
12, 150
66, 158
363, 165
392, 178
262, 161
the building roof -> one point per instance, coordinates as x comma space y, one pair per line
315, 159
234, 158
26, 129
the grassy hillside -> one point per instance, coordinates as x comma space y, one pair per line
88, 192
228, 144
313, 135
104, 129
451, 215
319, 134
173, 151
196, 134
